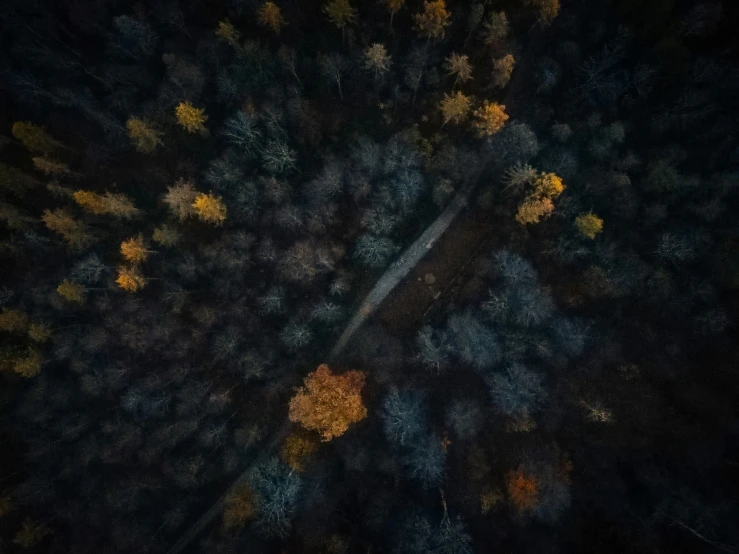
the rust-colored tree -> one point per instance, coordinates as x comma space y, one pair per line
523, 490
433, 20
329, 403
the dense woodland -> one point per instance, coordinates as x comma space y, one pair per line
196, 195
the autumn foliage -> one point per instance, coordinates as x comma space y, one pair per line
540, 201
210, 208
190, 118
489, 119
523, 490
240, 509
130, 279
270, 16
433, 20
329, 403
296, 450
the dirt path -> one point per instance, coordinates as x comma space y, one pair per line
400, 269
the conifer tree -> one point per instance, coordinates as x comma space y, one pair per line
270, 16
130, 279
393, 6
340, 13
134, 251
433, 20
589, 225
210, 208
455, 108
489, 119
117, 205
35, 138
190, 118
144, 136
72, 292
228, 33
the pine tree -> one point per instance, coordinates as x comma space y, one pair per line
459, 66
589, 225
74, 232
377, 59
166, 235
180, 198
502, 70
117, 205
228, 33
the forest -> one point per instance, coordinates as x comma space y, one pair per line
369, 276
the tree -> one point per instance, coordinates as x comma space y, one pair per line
210, 208
228, 34
473, 342
241, 130
72, 292
548, 9
518, 391
589, 225
434, 19
29, 365
425, 460
270, 16
240, 508
297, 449
180, 199
61, 221
133, 39
403, 417
276, 490
166, 235
496, 30
117, 205
35, 138
30, 534
145, 137
134, 251
191, 118
393, 6
51, 167
332, 66
340, 13
459, 66
523, 490
377, 59
14, 321
130, 279
455, 108
374, 251
329, 403
489, 119
502, 70
539, 203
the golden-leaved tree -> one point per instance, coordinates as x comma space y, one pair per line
71, 292
190, 118
297, 449
35, 138
210, 208
228, 33
270, 16
144, 136
61, 221
459, 66
340, 13
433, 20
455, 107
589, 225
502, 71
134, 250
548, 9
240, 507
539, 203
130, 279
117, 205
489, 119
329, 403
376, 59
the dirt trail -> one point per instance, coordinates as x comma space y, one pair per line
400, 269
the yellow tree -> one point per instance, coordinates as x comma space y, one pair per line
130, 279
329, 403
540, 201
34, 137
589, 225
240, 507
297, 449
489, 119
74, 232
459, 66
117, 205
270, 16
14, 321
548, 9
433, 20
190, 118
179, 199
51, 167
144, 136
72, 292
502, 70
134, 250
340, 13
455, 108
210, 208
38, 332
393, 6
29, 365
228, 33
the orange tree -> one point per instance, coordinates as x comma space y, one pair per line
329, 403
